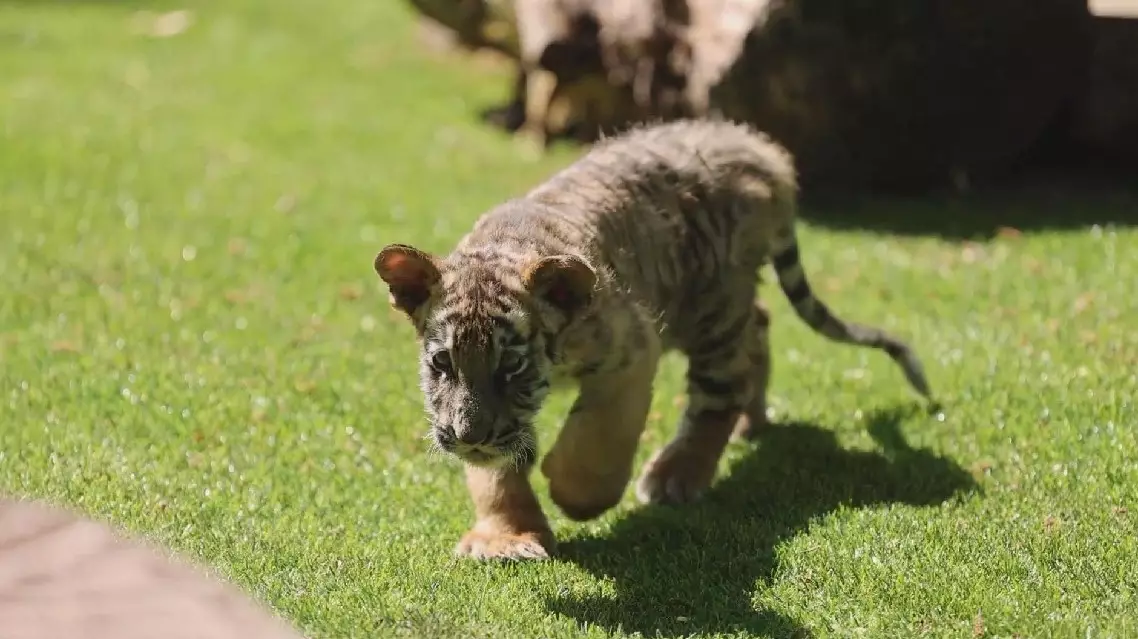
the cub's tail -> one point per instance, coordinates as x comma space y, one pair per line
792, 280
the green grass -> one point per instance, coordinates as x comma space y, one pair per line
194, 347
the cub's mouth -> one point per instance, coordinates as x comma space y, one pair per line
481, 456
496, 457
514, 449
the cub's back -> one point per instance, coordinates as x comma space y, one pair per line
671, 206
666, 207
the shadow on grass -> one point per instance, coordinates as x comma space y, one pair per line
1061, 202
678, 571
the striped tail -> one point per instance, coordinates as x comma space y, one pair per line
792, 280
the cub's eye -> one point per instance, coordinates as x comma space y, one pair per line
512, 363
440, 361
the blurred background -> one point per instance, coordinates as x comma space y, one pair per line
869, 94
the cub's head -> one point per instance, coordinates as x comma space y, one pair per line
484, 364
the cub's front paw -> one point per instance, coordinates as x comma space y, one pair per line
583, 492
675, 475
489, 544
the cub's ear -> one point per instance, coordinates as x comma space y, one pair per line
565, 281
410, 274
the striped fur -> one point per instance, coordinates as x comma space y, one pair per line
652, 242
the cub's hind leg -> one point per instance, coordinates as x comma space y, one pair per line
590, 464
754, 417
719, 382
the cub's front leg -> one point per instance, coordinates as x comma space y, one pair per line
590, 464
510, 523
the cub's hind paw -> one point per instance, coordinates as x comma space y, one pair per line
674, 475
487, 545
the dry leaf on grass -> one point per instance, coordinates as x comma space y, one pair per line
981, 468
1050, 522
64, 346
163, 25
285, 203
1082, 302
351, 292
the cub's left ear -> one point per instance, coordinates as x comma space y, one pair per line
410, 274
565, 281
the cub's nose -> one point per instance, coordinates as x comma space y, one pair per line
450, 437
475, 434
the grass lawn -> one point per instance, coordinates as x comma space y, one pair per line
194, 346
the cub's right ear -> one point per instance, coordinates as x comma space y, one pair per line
565, 281
411, 276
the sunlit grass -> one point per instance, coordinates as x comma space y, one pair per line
195, 347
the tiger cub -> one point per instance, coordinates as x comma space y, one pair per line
650, 242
